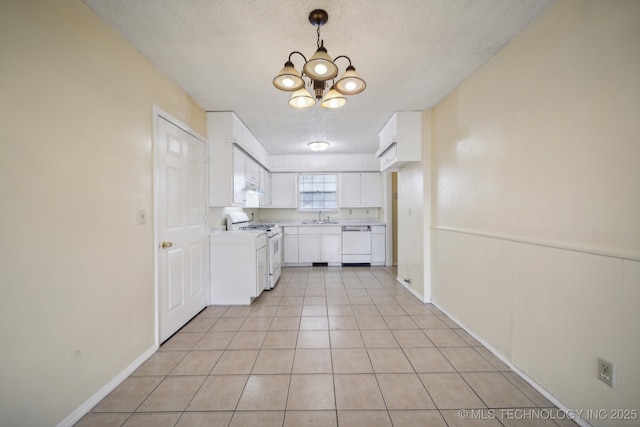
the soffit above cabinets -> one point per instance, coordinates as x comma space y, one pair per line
225, 54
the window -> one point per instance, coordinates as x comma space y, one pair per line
318, 191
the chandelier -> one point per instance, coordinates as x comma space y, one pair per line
319, 69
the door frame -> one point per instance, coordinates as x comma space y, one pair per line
157, 115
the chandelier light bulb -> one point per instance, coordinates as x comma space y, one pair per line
320, 69
350, 83
302, 99
320, 66
333, 99
288, 79
287, 82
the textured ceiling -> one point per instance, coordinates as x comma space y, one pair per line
225, 54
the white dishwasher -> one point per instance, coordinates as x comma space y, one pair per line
356, 244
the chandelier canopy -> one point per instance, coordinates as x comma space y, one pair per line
319, 69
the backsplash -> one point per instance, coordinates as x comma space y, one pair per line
277, 214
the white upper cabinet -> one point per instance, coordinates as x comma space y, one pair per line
400, 140
370, 189
220, 129
359, 189
235, 159
265, 187
349, 189
284, 190
239, 177
252, 171
243, 173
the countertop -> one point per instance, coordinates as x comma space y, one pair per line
298, 223
221, 231
337, 222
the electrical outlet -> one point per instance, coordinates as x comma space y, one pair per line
607, 372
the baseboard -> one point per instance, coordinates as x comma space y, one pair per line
413, 291
572, 414
83, 409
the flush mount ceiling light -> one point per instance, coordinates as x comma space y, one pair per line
319, 69
318, 145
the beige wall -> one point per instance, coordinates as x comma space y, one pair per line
537, 200
76, 271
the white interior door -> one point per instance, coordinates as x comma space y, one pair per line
182, 229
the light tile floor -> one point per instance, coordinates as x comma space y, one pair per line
327, 347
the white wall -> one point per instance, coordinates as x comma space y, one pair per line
536, 199
76, 270
411, 227
414, 219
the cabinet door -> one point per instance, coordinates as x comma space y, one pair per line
252, 170
331, 249
291, 249
370, 189
220, 131
239, 184
265, 187
350, 189
309, 248
389, 158
284, 192
262, 271
378, 249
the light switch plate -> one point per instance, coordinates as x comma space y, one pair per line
142, 217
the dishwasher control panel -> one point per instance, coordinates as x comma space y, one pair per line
356, 228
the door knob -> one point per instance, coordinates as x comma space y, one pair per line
166, 245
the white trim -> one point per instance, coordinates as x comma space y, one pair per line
83, 409
413, 291
158, 113
564, 408
632, 256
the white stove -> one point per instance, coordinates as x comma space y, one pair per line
239, 221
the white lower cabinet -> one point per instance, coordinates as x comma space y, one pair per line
378, 245
233, 282
291, 245
309, 249
331, 248
305, 245
320, 244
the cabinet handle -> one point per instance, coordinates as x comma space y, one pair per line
166, 245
